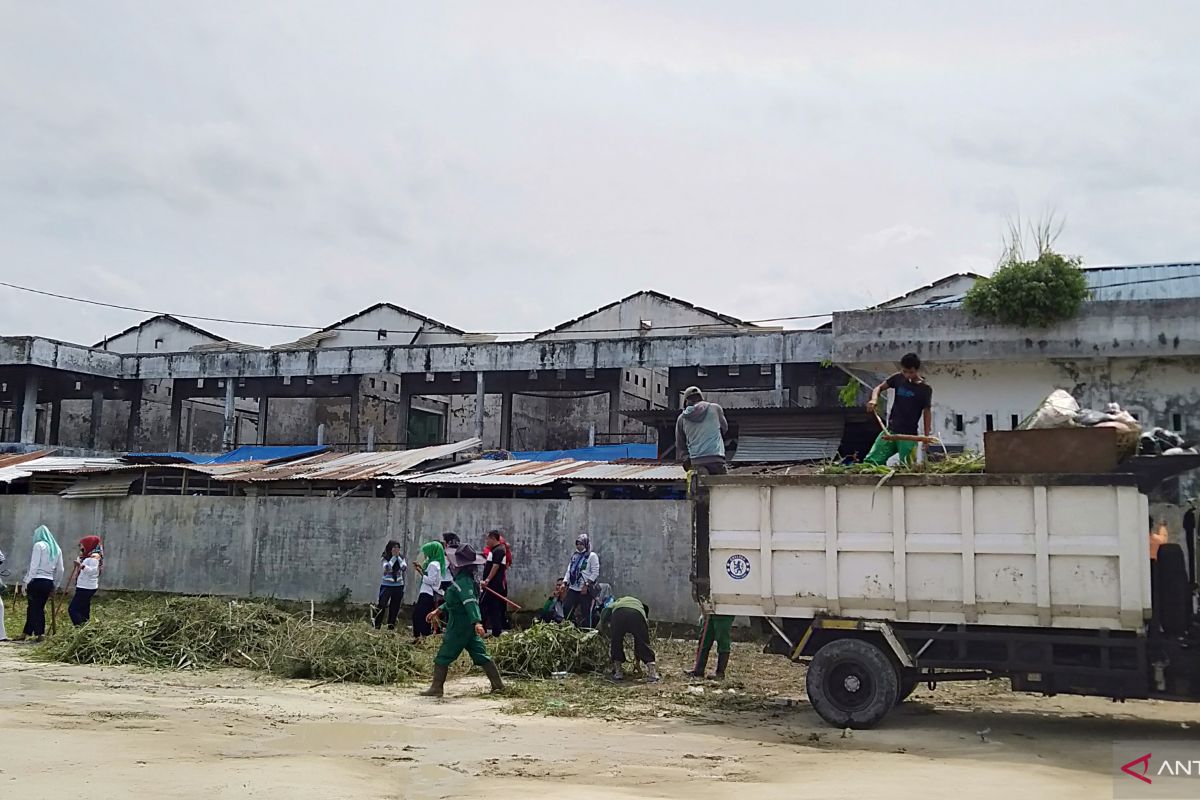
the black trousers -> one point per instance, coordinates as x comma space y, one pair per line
80, 609
577, 609
493, 610
627, 621
390, 599
425, 604
38, 592
711, 469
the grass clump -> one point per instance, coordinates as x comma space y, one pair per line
962, 464
204, 633
544, 649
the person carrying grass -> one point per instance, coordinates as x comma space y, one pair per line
912, 403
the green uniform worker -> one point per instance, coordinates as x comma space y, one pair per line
464, 628
716, 628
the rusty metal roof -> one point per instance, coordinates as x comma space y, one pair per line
543, 473
352, 466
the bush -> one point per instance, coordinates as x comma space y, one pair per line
1034, 293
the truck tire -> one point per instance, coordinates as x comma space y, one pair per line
1174, 594
852, 683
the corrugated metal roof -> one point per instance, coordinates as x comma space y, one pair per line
1144, 282
114, 484
354, 466
1134, 282
784, 449
516, 473
58, 464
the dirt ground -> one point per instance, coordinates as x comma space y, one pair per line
119, 733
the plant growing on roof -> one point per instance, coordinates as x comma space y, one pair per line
1030, 292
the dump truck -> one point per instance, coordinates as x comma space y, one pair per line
884, 585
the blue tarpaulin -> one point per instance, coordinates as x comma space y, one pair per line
247, 453
601, 452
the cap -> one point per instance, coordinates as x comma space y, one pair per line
693, 391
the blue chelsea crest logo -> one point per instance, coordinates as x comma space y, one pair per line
738, 567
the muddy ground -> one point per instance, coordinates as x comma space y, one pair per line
118, 733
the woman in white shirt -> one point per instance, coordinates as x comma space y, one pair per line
581, 576
87, 579
432, 575
45, 571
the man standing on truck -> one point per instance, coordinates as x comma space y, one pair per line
912, 402
700, 434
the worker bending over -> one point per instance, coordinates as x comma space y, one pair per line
628, 615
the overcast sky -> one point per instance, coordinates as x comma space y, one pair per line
504, 166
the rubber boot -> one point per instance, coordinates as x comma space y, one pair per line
439, 682
617, 674
493, 674
722, 663
652, 673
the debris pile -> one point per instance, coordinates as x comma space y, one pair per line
203, 633
546, 648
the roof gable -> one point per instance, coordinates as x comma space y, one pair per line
716, 317
441, 326
163, 318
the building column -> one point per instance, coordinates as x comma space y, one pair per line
27, 421
176, 416
229, 431
405, 409
355, 410
614, 412
55, 421
96, 418
479, 397
264, 407
506, 420
135, 416
781, 398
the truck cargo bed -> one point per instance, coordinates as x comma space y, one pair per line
1062, 551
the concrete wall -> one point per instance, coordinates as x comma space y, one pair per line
308, 548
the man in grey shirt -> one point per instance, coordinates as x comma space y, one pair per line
700, 434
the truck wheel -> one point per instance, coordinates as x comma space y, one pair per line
852, 683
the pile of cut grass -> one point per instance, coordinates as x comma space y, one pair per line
962, 464
545, 649
204, 633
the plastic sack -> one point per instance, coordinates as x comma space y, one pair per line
1089, 417
1059, 410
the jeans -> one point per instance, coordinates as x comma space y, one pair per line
80, 609
37, 592
390, 598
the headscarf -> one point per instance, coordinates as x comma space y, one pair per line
43, 534
434, 551
579, 559
90, 545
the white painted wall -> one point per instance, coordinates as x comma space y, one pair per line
401, 329
158, 335
623, 320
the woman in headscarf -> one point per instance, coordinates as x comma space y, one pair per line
45, 571
86, 574
433, 571
464, 626
581, 576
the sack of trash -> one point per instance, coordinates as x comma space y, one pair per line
1058, 410
1160, 441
